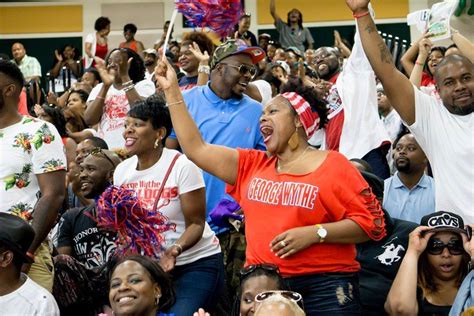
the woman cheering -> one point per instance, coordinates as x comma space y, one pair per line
304, 208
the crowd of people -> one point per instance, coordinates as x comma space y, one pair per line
295, 180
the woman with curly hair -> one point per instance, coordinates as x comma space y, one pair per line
123, 84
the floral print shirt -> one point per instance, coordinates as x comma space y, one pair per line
27, 148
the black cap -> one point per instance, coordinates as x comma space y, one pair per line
444, 221
16, 235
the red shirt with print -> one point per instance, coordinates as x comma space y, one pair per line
273, 203
335, 117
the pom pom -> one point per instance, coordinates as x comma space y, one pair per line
139, 231
219, 15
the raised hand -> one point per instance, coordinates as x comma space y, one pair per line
165, 75
468, 243
59, 57
358, 6
196, 51
418, 239
424, 47
107, 75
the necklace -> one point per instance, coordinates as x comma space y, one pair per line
280, 165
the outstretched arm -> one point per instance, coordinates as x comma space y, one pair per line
273, 11
465, 46
398, 88
220, 161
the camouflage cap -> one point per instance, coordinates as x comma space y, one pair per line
234, 47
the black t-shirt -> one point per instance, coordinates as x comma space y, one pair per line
379, 261
425, 308
90, 246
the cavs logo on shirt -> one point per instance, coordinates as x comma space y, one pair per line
282, 193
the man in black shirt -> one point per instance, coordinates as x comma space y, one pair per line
84, 248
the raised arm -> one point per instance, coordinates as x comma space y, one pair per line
398, 88
402, 299
273, 11
408, 59
220, 161
465, 46
424, 47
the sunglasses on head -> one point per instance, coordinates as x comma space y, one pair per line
292, 296
436, 247
98, 152
244, 69
244, 272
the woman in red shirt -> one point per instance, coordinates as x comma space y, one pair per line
305, 209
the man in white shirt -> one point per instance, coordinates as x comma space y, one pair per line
445, 133
19, 295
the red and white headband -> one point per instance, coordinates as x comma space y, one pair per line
308, 118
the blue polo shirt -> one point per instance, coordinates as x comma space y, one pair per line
233, 123
410, 205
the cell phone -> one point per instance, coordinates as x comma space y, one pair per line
469, 232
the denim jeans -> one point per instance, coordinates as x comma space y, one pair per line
198, 284
328, 294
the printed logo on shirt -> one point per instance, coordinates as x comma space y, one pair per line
334, 102
147, 191
282, 193
390, 255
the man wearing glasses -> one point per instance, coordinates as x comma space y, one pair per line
226, 116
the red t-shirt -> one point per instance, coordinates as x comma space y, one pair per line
273, 203
427, 80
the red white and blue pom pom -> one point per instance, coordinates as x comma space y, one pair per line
219, 15
139, 230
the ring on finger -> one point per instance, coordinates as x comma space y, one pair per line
283, 243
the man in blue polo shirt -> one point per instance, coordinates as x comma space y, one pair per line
226, 116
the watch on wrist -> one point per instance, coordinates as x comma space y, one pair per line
204, 69
321, 232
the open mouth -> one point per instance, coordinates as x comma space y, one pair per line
85, 185
266, 132
446, 267
129, 141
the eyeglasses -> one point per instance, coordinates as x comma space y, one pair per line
436, 247
244, 272
292, 296
244, 69
97, 152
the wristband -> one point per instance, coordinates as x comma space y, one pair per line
127, 83
204, 69
128, 88
174, 103
357, 16
418, 63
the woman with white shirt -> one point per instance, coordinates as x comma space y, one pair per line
192, 255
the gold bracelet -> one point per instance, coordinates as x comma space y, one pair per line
174, 103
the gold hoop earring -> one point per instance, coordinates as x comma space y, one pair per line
157, 143
293, 142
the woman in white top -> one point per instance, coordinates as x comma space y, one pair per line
192, 255
123, 84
